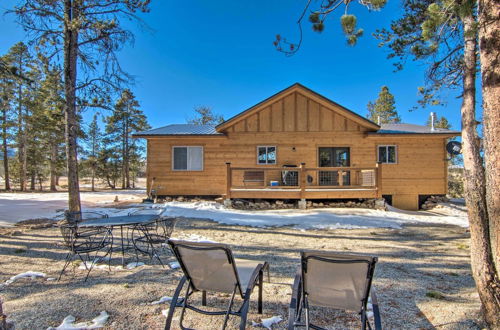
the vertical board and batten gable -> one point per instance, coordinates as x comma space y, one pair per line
295, 112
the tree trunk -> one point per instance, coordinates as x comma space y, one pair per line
32, 180
489, 45
126, 155
53, 160
483, 269
93, 177
20, 131
71, 123
5, 150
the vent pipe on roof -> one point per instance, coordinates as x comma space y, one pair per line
433, 121
378, 120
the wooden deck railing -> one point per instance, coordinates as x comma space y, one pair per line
302, 178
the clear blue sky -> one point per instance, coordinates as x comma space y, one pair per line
220, 54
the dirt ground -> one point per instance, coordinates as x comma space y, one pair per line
423, 278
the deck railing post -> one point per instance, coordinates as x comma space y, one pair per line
302, 202
379, 180
227, 201
341, 177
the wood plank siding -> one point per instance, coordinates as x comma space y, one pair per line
298, 123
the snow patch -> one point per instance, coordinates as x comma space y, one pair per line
133, 265
174, 265
325, 218
29, 274
69, 323
165, 312
162, 300
268, 323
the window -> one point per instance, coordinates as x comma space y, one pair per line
187, 158
387, 154
266, 155
334, 157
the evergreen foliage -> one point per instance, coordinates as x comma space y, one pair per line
383, 108
205, 116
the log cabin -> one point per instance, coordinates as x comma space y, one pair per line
299, 145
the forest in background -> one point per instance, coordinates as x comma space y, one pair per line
33, 136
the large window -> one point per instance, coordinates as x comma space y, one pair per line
387, 154
266, 155
334, 157
187, 158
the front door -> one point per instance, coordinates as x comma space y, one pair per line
334, 157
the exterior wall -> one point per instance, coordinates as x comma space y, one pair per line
420, 169
298, 124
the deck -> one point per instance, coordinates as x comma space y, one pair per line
303, 182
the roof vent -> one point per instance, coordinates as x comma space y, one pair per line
433, 121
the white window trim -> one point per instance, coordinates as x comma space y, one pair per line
276, 152
188, 170
385, 146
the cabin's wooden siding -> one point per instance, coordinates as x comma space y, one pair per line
298, 125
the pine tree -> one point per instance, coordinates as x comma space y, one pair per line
441, 122
94, 145
20, 58
383, 110
205, 116
126, 119
7, 122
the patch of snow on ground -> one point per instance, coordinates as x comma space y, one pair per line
268, 323
133, 265
325, 218
69, 323
174, 265
162, 300
19, 206
29, 274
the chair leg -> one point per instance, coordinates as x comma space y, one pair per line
259, 302
204, 298
173, 303
226, 317
184, 304
306, 310
363, 320
69, 256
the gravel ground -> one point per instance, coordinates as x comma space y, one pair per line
415, 263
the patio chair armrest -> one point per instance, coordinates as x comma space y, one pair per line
254, 277
376, 310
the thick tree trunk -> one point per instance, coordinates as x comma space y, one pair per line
483, 269
32, 181
71, 123
489, 45
93, 177
5, 151
53, 160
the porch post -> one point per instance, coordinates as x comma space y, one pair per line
227, 201
302, 202
379, 179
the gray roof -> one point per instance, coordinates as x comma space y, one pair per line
190, 129
180, 129
411, 129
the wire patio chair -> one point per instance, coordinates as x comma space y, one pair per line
83, 242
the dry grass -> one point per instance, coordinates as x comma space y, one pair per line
413, 261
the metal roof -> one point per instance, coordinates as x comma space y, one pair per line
411, 129
180, 129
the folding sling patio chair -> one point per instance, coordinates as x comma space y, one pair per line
211, 267
333, 280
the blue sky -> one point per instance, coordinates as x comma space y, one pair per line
220, 54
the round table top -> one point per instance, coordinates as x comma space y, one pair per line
122, 220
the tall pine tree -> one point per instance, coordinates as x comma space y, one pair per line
383, 110
127, 118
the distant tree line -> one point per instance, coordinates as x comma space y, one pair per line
32, 128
